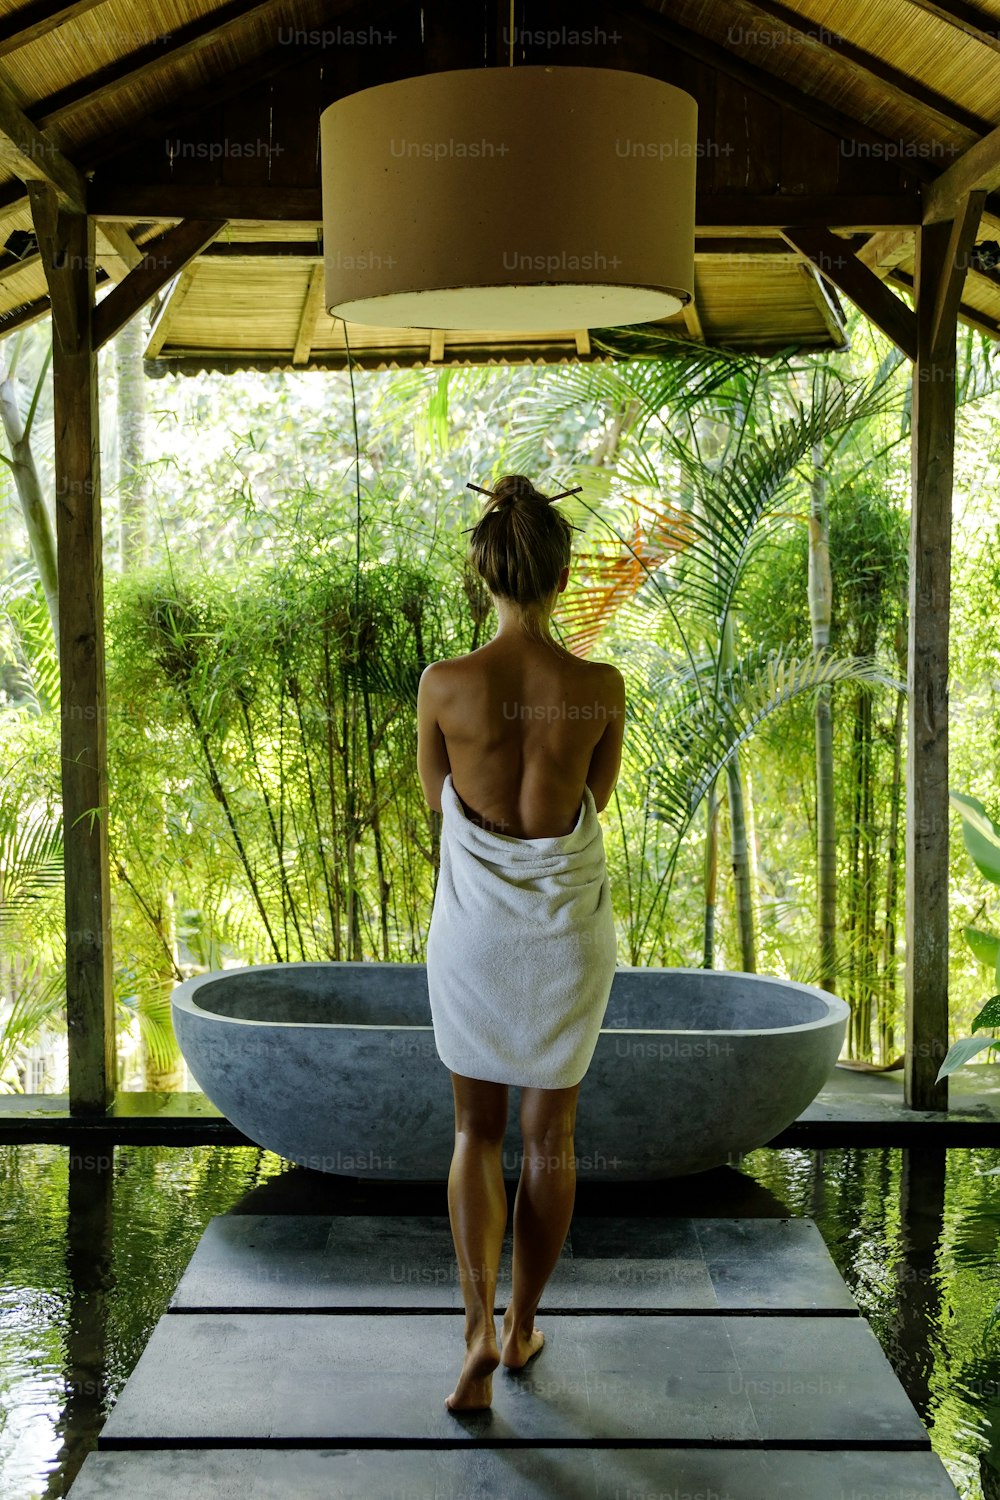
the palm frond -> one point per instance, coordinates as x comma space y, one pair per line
35, 1002
26, 638
691, 732
31, 856
728, 505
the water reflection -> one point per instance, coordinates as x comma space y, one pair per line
92, 1247
91, 1281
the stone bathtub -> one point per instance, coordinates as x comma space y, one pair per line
333, 1066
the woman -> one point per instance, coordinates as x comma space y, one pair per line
519, 747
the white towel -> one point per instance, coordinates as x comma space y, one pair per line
521, 949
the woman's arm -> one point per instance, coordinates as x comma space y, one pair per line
606, 759
433, 764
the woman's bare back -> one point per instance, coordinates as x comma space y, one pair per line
525, 726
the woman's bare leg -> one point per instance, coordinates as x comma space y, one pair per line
477, 1207
543, 1209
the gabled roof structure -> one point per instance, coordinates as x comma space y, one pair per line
823, 115
171, 151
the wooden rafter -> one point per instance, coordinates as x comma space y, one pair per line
168, 309
977, 169
162, 260
37, 18
956, 260
824, 298
311, 307
689, 312
117, 252
148, 59
45, 221
835, 260
33, 157
715, 212
973, 316
968, 18
866, 67
884, 251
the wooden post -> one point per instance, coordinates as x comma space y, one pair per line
67, 244
931, 458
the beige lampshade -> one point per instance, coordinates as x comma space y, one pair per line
526, 198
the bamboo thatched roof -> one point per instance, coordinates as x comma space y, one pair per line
818, 118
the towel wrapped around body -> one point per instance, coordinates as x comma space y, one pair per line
521, 949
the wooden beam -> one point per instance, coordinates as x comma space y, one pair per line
117, 252
828, 309
156, 122
926, 900
164, 51
312, 306
37, 18
435, 351
968, 18
277, 204
45, 217
167, 311
973, 316
836, 261
15, 267
162, 260
978, 169
33, 157
961, 239
308, 249
68, 256
121, 243
884, 250
865, 67
23, 317
691, 321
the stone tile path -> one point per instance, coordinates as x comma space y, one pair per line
309, 1356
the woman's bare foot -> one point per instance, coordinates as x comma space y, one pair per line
518, 1346
474, 1390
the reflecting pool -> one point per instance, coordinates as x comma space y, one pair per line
93, 1243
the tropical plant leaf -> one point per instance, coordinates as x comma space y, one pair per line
31, 856
984, 945
961, 1051
981, 835
36, 1001
688, 733
26, 638
989, 1015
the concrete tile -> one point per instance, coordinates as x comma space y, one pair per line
601, 1379
821, 1378
515, 1474
294, 1261
346, 1377
301, 1261
258, 1261
765, 1263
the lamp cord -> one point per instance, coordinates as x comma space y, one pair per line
510, 36
357, 475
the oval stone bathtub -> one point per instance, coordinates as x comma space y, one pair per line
333, 1066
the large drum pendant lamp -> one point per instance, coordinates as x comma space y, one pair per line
524, 199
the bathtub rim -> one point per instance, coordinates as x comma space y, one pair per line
183, 997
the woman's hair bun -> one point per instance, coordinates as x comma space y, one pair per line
514, 487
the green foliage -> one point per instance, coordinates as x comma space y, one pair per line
982, 840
